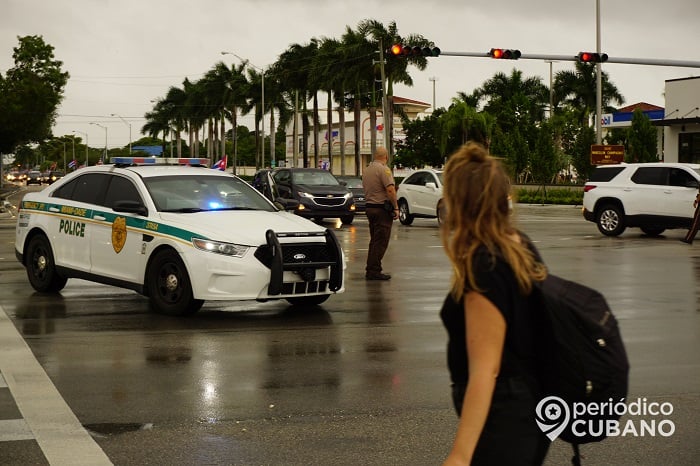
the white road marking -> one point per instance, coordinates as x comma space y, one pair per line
48, 418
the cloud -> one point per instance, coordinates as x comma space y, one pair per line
123, 54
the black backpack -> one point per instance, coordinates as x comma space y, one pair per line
583, 360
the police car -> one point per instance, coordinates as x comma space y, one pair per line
177, 232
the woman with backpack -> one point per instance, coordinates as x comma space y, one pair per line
490, 317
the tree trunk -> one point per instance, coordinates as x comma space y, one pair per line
222, 133
329, 125
341, 133
358, 136
234, 139
272, 138
295, 131
316, 128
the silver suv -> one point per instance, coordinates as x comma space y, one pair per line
650, 196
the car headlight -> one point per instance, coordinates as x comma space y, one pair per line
306, 195
347, 195
218, 247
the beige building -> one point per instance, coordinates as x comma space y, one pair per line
346, 164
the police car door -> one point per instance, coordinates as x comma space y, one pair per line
68, 224
117, 243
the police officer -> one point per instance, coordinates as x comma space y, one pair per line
696, 221
382, 210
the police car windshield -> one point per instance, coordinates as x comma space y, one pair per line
189, 194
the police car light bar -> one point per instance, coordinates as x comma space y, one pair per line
158, 161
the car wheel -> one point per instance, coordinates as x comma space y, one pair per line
41, 268
611, 220
405, 216
347, 220
440, 212
169, 287
308, 300
650, 231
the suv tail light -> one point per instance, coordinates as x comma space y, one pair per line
588, 187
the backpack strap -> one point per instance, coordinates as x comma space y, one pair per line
576, 459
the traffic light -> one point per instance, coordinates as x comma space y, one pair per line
592, 57
399, 50
505, 54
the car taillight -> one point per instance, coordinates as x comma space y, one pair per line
588, 187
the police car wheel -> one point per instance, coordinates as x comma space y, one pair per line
347, 220
308, 300
41, 268
169, 286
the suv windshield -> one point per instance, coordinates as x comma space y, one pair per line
314, 178
201, 193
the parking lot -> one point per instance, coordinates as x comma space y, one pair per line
361, 379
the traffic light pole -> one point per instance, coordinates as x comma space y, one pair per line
622, 60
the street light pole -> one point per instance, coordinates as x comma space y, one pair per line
262, 107
433, 79
86, 147
129, 125
104, 157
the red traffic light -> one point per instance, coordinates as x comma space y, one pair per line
505, 54
413, 51
592, 57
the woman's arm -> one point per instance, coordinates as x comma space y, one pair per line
486, 332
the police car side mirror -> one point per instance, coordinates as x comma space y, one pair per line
130, 207
431, 185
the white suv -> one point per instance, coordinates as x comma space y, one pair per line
420, 195
650, 196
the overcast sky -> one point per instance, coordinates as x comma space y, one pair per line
122, 54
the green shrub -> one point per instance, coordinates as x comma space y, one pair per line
561, 196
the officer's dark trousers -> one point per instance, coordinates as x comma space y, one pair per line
510, 435
380, 222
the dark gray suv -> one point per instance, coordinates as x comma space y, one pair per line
311, 192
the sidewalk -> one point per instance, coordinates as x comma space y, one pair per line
6, 209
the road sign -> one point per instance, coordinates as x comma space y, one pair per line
607, 154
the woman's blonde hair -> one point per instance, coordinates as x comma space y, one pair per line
477, 213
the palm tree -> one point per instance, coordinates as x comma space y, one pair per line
518, 106
176, 99
395, 68
236, 90
294, 70
359, 74
578, 91
158, 121
196, 111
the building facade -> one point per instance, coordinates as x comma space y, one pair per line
343, 162
681, 122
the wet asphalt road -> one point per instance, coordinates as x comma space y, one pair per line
360, 380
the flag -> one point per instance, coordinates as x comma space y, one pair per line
220, 165
72, 164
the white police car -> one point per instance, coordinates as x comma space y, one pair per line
175, 231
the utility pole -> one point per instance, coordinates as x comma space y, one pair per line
599, 81
385, 113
